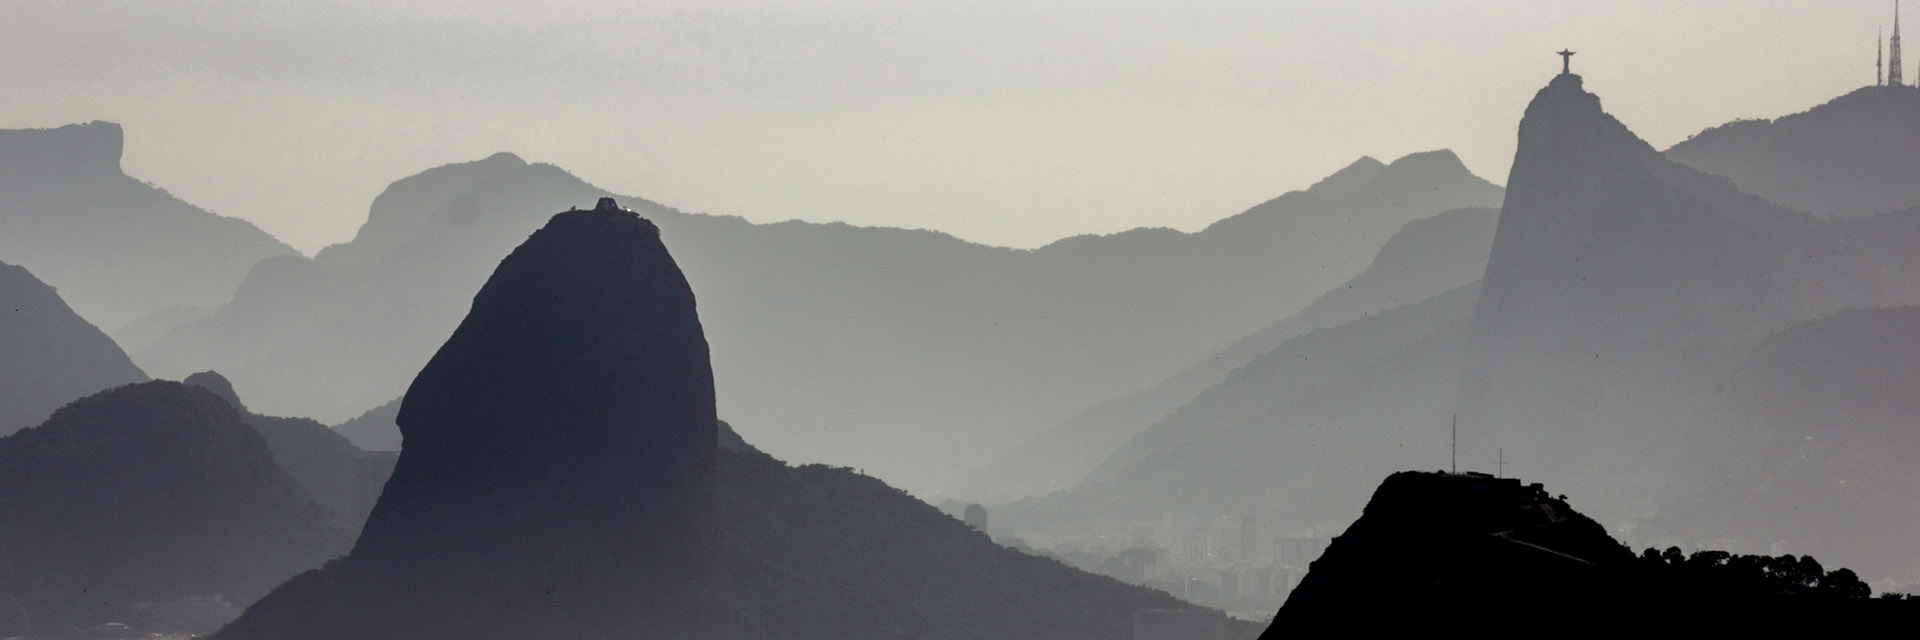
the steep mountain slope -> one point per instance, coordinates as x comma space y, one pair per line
340, 476
1851, 157
117, 248
1285, 437
48, 355
1426, 258
564, 477
146, 493
1450, 554
1821, 422
817, 552
889, 340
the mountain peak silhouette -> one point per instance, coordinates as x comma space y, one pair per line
558, 474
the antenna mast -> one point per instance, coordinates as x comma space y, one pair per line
1893, 50
1456, 444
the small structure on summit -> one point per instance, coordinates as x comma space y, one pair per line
607, 204
1566, 62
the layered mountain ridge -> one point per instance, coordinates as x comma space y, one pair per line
902, 343
118, 249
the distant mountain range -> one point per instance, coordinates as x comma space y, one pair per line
49, 356
910, 354
1624, 297
124, 253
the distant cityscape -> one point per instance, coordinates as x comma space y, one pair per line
1234, 565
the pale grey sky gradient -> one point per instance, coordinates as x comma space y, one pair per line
1008, 122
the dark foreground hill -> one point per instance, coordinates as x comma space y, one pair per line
561, 478
49, 356
119, 249
1461, 554
146, 493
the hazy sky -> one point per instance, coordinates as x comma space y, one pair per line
1010, 122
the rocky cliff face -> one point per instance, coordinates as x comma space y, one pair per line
558, 477
146, 493
49, 356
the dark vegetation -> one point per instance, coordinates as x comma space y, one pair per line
146, 493
1452, 553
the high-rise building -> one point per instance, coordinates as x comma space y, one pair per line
975, 516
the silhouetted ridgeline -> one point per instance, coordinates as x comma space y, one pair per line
48, 355
919, 354
146, 493
1854, 156
1470, 554
117, 248
340, 476
563, 477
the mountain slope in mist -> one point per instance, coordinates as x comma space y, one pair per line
1851, 157
49, 356
1287, 436
117, 248
908, 353
1822, 419
1426, 258
146, 493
